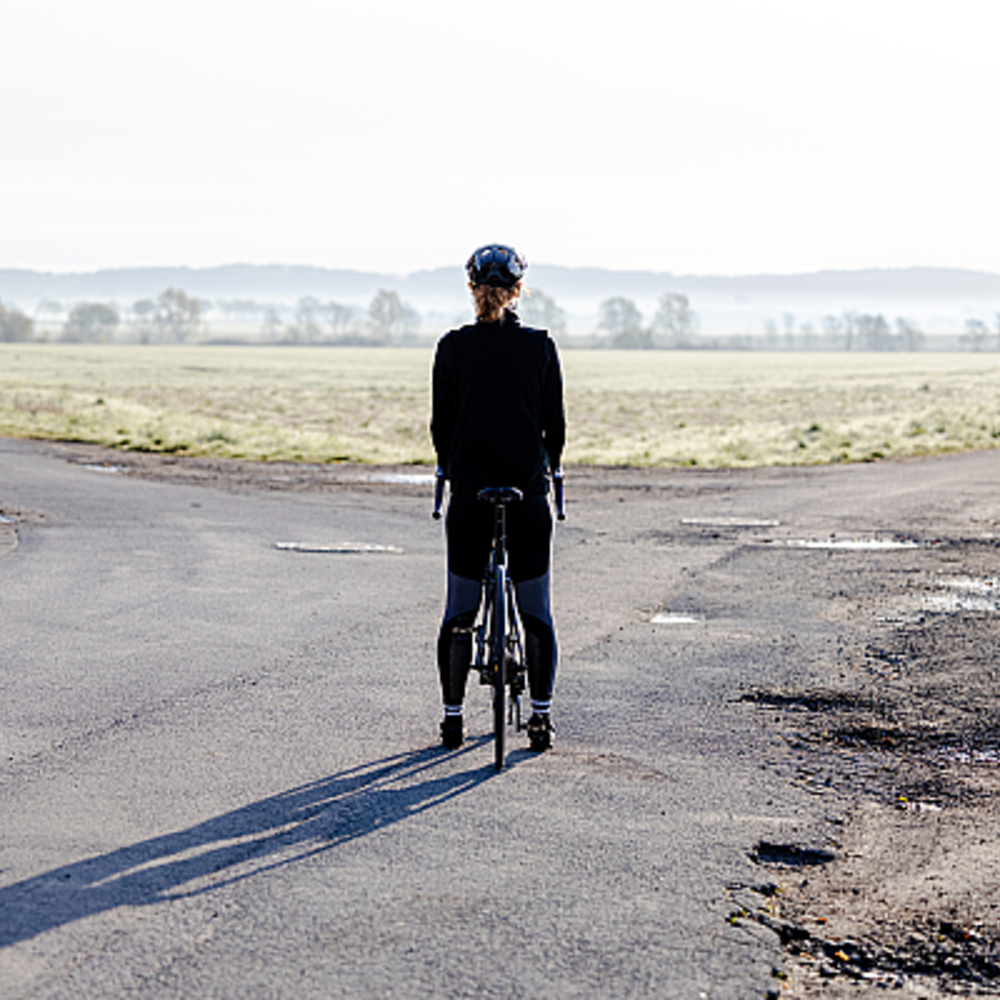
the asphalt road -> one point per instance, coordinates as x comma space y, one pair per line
220, 771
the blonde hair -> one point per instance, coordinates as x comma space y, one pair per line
491, 301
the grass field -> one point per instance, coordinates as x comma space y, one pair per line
624, 407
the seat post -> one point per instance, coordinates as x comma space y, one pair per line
501, 531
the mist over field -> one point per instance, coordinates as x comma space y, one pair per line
901, 309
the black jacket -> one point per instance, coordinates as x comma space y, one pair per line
497, 407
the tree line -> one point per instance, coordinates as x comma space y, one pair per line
176, 317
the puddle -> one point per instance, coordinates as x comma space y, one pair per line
730, 522
901, 619
404, 478
105, 467
337, 548
674, 618
945, 602
965, 593
925, 807
973, 585
961, 755
4, 519
852, 544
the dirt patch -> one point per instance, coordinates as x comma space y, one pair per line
908, 902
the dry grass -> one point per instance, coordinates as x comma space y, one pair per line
638, 408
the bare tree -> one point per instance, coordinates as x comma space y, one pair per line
48, 307
910, 334
389, 318
850, 321
177, 316
271, 323
875, 332
91, 322
307, 316
675, 320
539, 309
788, 321
621, 319
770, 334
809, 339
341, 319
975, 334
833, 330
15, 326
143, 316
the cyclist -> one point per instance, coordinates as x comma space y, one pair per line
497, 421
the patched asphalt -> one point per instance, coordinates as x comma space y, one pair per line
219, 719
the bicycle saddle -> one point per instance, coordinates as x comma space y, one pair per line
500, 494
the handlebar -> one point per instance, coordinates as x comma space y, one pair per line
557, 486
438, 493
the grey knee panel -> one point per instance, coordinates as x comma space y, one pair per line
534, 598
463, 596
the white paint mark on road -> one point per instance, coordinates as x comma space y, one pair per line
404, 478
730, 522
673, 618
853, 544
105, 467
337, 548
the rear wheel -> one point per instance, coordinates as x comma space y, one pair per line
498, 654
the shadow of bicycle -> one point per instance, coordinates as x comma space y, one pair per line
259, 837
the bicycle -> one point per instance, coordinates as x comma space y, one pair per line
499, 652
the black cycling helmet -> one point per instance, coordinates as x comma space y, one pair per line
497, 265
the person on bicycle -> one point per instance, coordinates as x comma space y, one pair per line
497, 420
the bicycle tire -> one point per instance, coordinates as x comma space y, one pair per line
499, 656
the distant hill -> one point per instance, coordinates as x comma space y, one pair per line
287, 282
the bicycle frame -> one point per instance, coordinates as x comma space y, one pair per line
499, 652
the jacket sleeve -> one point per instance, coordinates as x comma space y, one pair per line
553, 412
442, 406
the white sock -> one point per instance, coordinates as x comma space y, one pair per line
541, 707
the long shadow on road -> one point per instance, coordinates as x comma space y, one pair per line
258, 837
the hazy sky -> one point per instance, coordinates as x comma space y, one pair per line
695, 137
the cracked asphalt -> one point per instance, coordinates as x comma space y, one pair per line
220, 775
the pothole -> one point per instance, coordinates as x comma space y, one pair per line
811, 701
790, 855
338, 548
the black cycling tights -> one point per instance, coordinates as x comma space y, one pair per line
455, 657
470, 537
